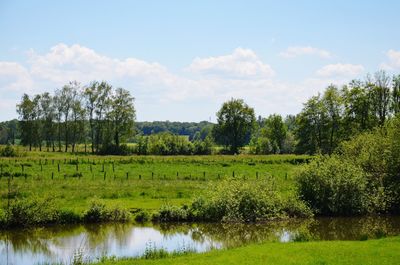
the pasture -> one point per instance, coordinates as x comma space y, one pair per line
135, 182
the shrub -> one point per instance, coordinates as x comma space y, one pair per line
98, 212
333, 186
8, 151
169, 213
143, 217
68, 217
237, 201
26, 212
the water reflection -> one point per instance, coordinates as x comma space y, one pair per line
58, 243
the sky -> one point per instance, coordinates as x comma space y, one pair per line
182, 59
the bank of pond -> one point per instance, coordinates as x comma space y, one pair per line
66, 244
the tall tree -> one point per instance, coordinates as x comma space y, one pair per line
396, 95
78, 121
25, 110
122, 114
381, 95
102, 107
332, 101
91, 95
66, 97
38, 121
48, 116
236, 122
275, 130
310, 128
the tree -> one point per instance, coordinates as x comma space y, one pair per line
236, 123
275, 130
310, 129
396, 95
48, 116
78, 121
332, 101
122, 114
381, 96
66, 97
102, 104
90, 95
25, 110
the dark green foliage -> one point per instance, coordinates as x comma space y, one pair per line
236, 201
8, 151
364, 177
113, 149
98, 212
236, 123
68, 217
331, 186
142, 217
171, 213
34, 211
169, 144
189, 129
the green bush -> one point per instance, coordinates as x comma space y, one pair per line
34, 211
333, 186
98, 212
143, 217
237, 201
170, 213
8, 151
240, 201
68, 217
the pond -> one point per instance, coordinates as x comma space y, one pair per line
58, 244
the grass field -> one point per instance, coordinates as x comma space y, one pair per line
136, 182
381, 251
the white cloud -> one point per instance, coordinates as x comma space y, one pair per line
297, 51
340, 70
160, 94
64, 63
14, 77
242, 63
394, 60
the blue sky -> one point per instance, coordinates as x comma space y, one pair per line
182, 59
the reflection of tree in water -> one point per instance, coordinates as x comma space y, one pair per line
101, 237
233, 235
36, 240
351, 228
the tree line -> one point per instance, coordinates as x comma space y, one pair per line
327, 119
101, 118
96, 115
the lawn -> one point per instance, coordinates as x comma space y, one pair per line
379, 251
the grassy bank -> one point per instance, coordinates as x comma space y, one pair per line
381, 251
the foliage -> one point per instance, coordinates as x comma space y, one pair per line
8, 151
143, 217
333, 187
33, 211
362, 178
236, 123
169, 144
236, 201
98, 212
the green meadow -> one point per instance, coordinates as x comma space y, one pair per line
135, 182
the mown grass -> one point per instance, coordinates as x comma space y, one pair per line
136, 182
381, 251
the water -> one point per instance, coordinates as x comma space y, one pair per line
60, 243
